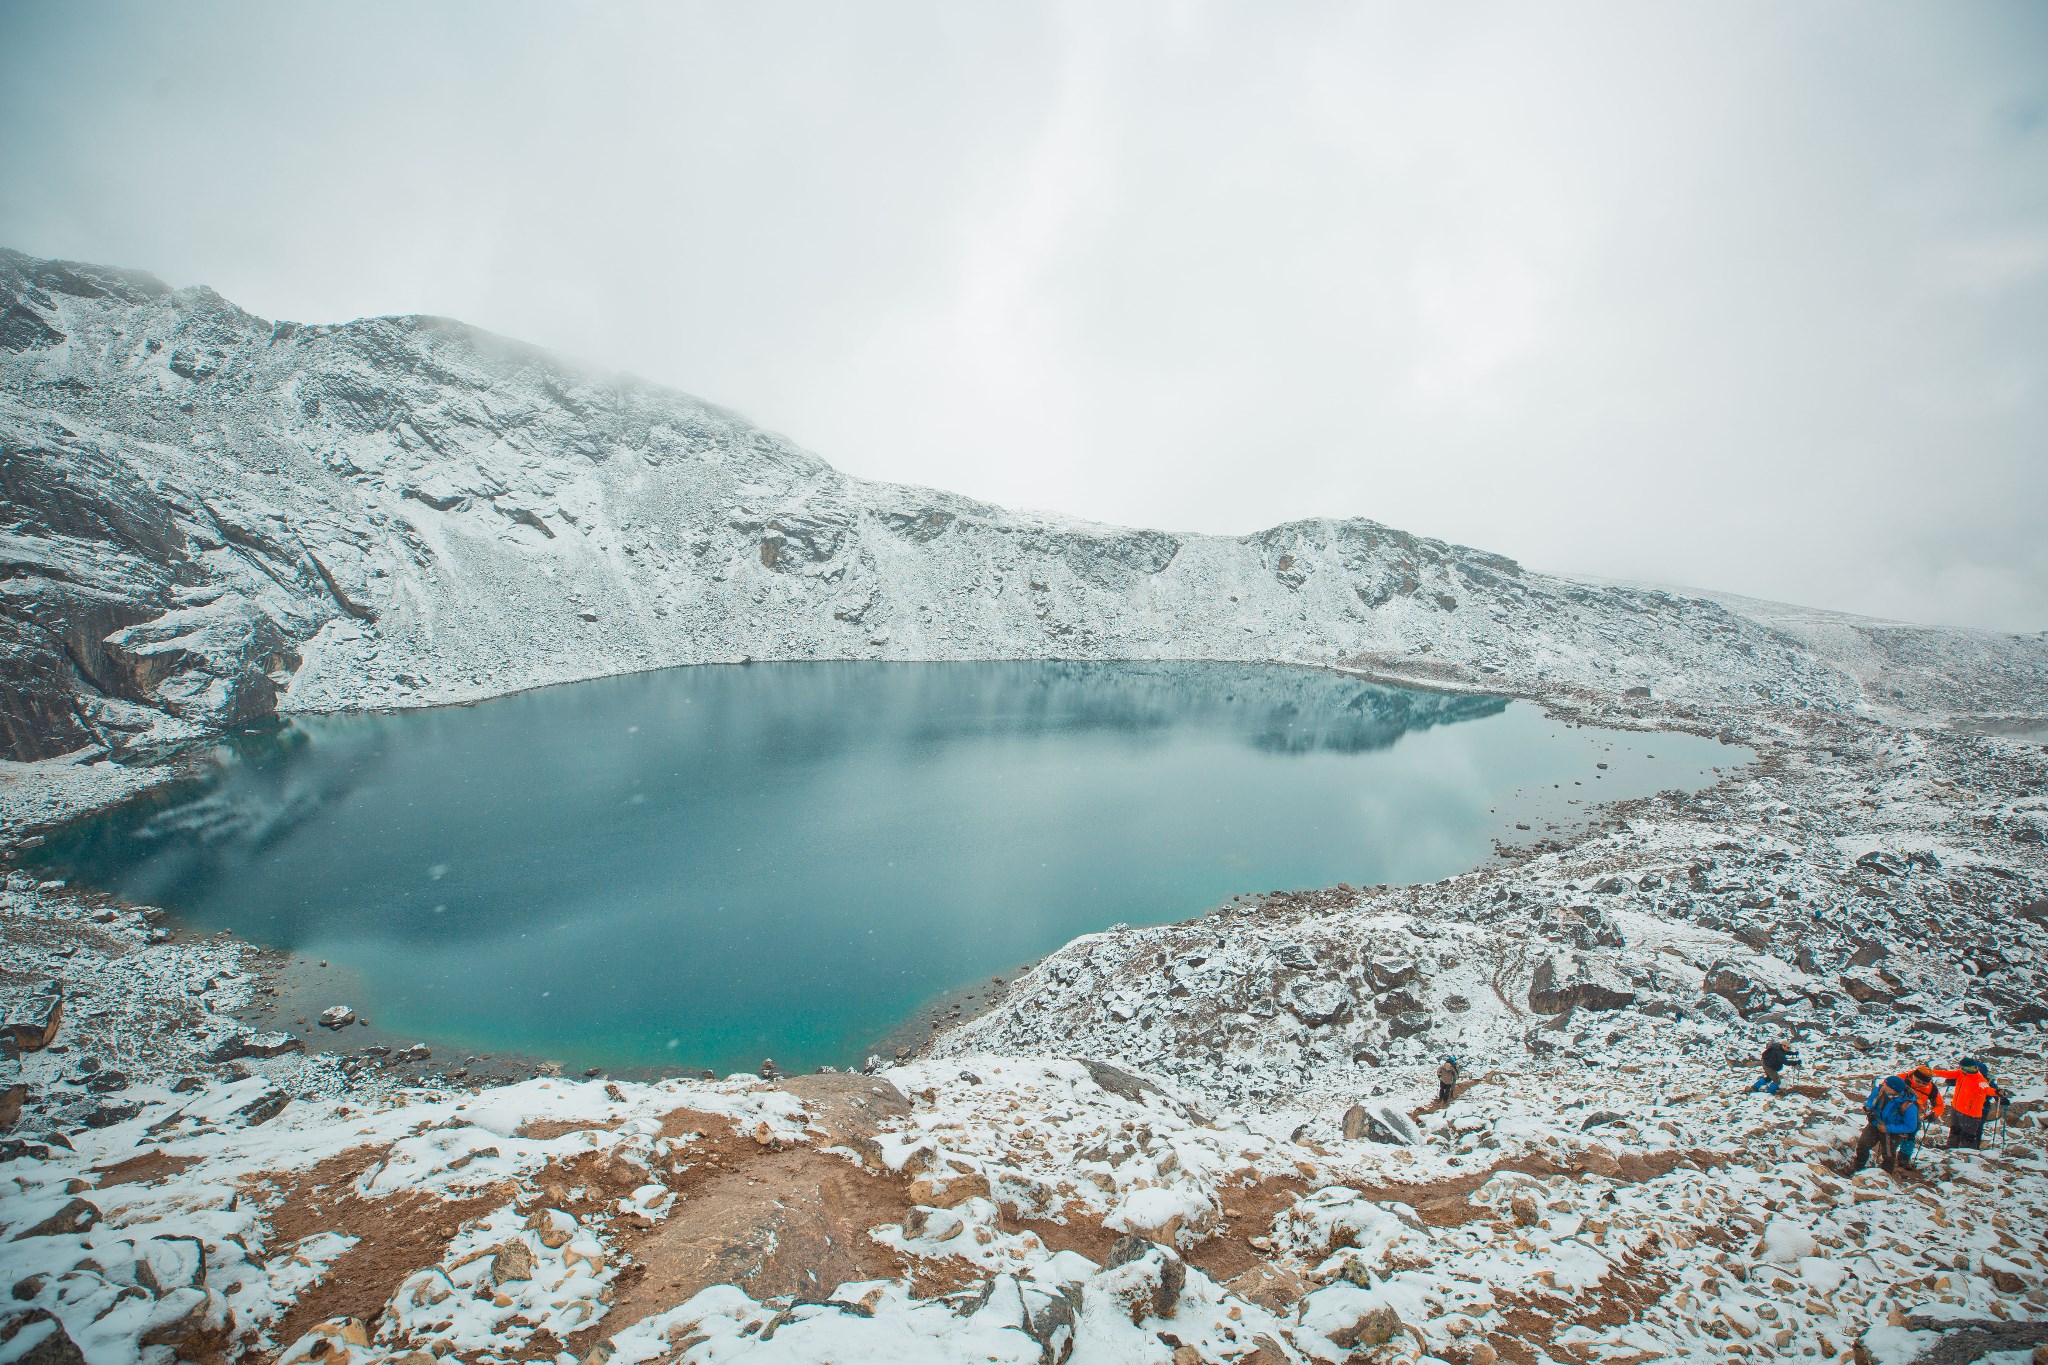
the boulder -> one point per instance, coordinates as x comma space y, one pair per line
1737, 987
35, 1035
337, 1017
949, 1188
37, 1337
1581, 984
1408, 1024
1381, 1123
512, 1261
1391, 971
194, 1323
74, 1218
1396, 1002
237, 1046
1867, 988
1053, 1320
1382, 1237
1316, 1002
1145, 1279
167, 1263
337, 1341
263, 1108
1273, 1288
1378, 1327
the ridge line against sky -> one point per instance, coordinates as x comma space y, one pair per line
1743, 296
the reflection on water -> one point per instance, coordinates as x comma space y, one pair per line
703, 866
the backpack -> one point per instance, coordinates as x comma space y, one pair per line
1892, 1106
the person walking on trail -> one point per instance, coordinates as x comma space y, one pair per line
1892, 1116
1974, 1097
1775, 1059
1446, 1082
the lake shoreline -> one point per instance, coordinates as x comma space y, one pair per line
255, 796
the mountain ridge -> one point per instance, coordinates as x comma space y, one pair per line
210, 517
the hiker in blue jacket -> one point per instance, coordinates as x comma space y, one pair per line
1892, 1114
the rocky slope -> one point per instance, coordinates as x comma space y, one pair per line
205, 515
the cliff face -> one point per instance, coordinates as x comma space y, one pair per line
205, 517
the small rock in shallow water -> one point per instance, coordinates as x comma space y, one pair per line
337, 1017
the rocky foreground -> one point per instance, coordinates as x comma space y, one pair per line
1207, 1142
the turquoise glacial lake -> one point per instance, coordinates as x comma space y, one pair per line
703, 867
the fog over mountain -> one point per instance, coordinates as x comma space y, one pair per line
1727, 295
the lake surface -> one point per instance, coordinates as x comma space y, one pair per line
707, 866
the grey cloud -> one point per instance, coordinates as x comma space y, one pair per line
1746, 295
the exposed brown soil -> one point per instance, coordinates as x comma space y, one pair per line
1447, 1203
1080, 1231
1529, 1321
542, 1130
144, 1168
397, 1235
770, 1219
1249, 1211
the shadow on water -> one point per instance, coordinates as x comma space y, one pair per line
704, 866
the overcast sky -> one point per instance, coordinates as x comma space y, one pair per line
1751, 296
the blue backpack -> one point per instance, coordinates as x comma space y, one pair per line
1893, 1107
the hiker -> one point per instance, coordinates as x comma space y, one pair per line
1892, 1115
1974, 1093
1926, 1091
1446, 1082
1776, 1058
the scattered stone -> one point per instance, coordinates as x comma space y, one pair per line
238, 1046
1144, 1277
263, 1108
74, 1218
37, 1337
107, 1115
337, 1017
1381, 1123
35, 1035
512, 1261
167, 1263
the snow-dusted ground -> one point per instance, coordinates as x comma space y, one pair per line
1198, 1142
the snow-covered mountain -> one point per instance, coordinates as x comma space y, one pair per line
205, 516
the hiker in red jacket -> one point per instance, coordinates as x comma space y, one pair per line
1974, 1093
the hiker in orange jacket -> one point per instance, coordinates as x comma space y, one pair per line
1974, 1092
1925, 1091
1927, 1094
